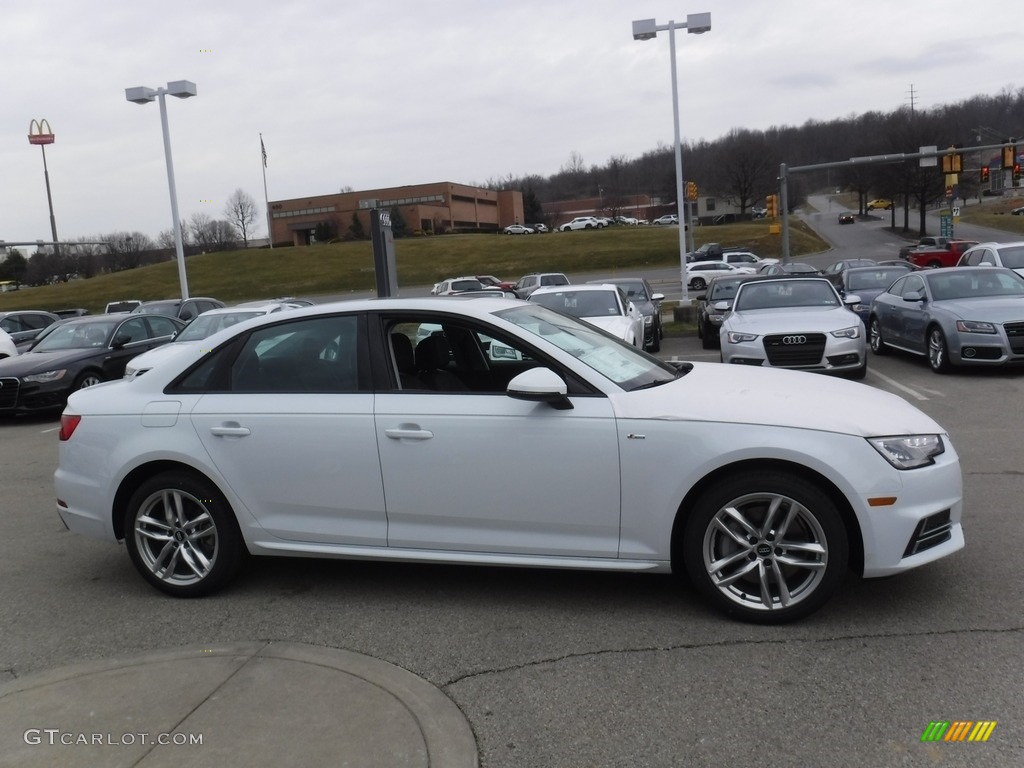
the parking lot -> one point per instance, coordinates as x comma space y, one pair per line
558, 668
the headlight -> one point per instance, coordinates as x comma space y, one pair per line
909, 451
735, 337
848, 333
46, 376
648, 319
975, 326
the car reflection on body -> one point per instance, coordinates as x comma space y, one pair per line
206, 324
75, 354
954, 316
605, 306
794, 322
764, 508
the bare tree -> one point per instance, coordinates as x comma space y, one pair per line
240, 212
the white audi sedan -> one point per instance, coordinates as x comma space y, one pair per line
324, 432
795, 322
602, 304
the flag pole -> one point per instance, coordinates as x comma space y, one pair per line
266, 200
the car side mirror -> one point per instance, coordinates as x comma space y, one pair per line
540, 385
658, 297
722, 306
120, 340
850, 299
913, 296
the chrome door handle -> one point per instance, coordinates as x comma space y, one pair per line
404, 433
226, 431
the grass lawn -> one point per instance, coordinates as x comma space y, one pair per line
235, 276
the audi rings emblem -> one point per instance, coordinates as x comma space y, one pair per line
794, 339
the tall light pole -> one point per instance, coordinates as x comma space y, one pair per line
142, 95
646, 29
39, 132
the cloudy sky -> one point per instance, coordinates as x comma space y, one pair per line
377, 93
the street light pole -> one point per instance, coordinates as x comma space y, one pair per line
142, 95
646, 29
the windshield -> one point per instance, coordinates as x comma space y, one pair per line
1012, 257
77, 336
986, 281
873, 278
775, 294
724, 289
617, 361
579, 303
634, 291
208, 324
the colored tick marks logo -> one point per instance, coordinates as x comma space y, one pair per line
206, 50
958, 730
205, 200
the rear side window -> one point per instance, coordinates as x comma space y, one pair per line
554, 280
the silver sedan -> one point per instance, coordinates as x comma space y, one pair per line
794, 322
955, 316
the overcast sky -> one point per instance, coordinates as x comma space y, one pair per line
379, 93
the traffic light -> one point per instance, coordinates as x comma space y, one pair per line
691, 190
984, 174
1016, 174
772, 204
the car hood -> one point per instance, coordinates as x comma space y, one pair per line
774, 397
998, 309
37, 362
803, 319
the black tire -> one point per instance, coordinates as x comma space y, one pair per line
938, 350
708, 339
878, 346
190, 550
745, 580
655, 345
588, 226
698, 284
933, 264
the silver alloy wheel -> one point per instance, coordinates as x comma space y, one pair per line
176, 537
937, 358
88, 380
765, 551
875, 337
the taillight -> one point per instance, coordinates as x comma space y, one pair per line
68, 425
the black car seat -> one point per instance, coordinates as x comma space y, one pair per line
432, 357
405, 361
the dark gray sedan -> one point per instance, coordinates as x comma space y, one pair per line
956, 316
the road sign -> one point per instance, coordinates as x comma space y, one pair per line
946, 225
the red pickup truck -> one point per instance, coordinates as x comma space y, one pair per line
932, 256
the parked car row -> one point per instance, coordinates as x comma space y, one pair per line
960, 316
38, 372
626, 307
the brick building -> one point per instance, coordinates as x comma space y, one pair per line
430, 208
